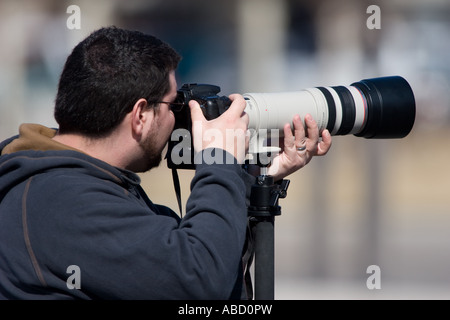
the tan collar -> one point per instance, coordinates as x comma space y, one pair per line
35, 137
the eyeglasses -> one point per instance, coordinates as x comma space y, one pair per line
174, 106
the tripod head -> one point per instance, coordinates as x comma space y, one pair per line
265, 193
264, 196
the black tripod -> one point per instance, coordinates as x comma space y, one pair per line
262, 210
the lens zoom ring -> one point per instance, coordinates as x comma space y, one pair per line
331, 108
348, 110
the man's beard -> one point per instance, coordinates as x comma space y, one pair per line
152, 155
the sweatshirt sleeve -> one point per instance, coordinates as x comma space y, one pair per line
124, 250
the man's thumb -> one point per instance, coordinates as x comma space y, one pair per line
196, 111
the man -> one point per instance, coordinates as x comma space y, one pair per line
74, 221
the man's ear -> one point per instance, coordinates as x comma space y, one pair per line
140, 116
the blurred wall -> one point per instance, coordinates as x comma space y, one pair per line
368, 202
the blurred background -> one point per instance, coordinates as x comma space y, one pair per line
367, 202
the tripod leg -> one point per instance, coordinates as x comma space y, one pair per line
264, 258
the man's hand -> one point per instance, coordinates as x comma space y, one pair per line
300, 148
227, 132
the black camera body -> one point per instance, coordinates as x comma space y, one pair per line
212, 106
206, 95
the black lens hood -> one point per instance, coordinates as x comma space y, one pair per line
391, 107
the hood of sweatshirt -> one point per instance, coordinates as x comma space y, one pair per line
34, 151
